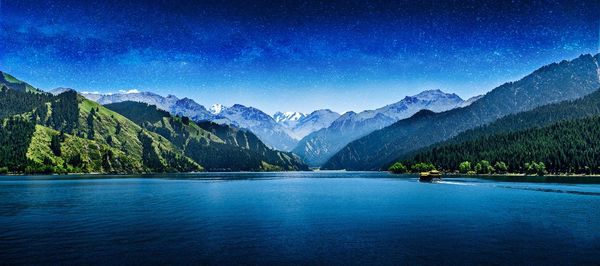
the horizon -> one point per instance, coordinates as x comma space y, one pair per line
299, 56
209, 105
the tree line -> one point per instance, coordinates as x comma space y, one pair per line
566, 147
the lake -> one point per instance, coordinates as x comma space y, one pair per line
295, 218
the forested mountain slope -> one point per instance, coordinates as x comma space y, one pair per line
550, 84
539, 117
68, 133
566, 147
216, 147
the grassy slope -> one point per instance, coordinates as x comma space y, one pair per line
91, 153
125, 148
105, 151
16, 84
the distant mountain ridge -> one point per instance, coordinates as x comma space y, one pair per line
288, 117
284, 131
261, 124
552, 83
299, 125
317, 147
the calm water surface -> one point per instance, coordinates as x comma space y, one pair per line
297, 218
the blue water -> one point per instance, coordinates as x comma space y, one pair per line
295, 218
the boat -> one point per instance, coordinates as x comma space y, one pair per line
429, 176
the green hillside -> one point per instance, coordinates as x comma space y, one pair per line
12, 101
68, 133
15, 84
214, 146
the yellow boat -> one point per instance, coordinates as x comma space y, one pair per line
429, 176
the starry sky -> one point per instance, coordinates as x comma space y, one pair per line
290, 55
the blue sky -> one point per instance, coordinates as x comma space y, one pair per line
290, 55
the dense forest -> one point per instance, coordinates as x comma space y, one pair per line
12, 102
15, 137
539, 117
566, 147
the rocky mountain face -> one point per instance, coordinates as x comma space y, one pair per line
317, 147
288, 119
259, 123
216, 108
299, 125
553, 83
312, 122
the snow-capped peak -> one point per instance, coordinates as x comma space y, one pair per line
281, 117
432, 95
216, 108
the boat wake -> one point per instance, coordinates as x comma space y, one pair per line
542, 188
455, 183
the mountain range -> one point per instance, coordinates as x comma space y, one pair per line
317, 147
299, 125
315, 136
135, 132
261, 124
553, 83
45, 133
291, 130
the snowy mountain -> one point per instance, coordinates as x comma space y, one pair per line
161, 102
320, 145
184, 107
433, 100
216, 108
288, 119
299, 125
260, 123
193, 110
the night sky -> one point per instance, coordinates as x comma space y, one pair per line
290, 55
